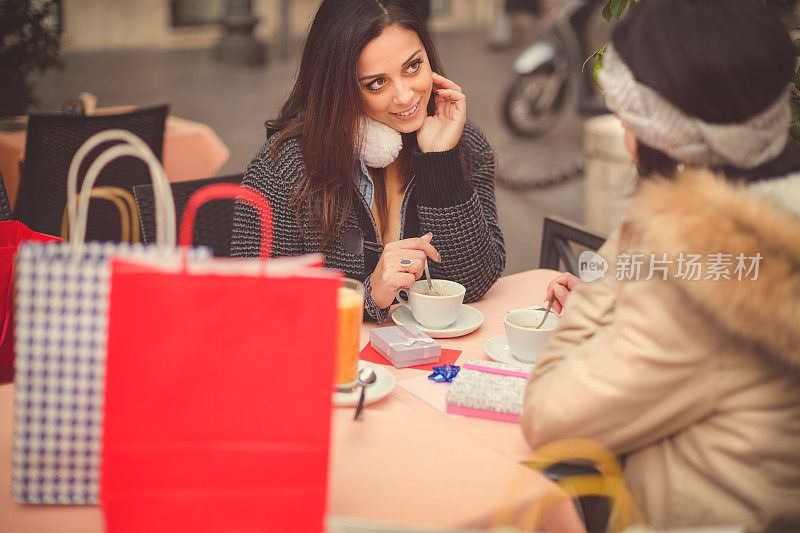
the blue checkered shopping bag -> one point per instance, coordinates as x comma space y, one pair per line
62, 294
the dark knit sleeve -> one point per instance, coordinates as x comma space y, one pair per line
277, 181
262, 176
456, 202
371, 308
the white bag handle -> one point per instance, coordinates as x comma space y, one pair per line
78, 212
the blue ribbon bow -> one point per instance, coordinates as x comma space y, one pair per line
443, 374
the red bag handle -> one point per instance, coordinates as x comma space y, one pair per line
9, 308
221, 191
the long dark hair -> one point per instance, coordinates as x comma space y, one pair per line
723, 61
326, 103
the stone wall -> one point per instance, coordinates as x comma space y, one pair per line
610, 174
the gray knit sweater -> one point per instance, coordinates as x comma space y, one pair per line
459, 211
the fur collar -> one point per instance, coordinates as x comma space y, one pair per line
703, 214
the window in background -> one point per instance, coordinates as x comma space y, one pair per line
440, 7
196, 12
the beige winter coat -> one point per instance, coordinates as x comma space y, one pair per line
695, 383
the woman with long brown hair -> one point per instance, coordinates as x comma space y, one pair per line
371, 161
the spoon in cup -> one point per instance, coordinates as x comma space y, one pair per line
547, 312
431, 290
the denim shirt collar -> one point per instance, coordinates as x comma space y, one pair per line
366, 188
364, 183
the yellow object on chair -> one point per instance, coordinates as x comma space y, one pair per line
624, 511
129, 214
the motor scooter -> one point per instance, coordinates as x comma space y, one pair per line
549, 75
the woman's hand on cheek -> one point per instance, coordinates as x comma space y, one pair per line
442, 131
390, 274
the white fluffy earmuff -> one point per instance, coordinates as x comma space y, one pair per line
379, 144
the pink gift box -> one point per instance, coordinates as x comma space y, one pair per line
405, 346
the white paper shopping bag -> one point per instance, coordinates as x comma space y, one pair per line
62, 293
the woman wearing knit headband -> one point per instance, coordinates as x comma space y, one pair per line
685, 357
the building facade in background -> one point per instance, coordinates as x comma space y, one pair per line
163, 24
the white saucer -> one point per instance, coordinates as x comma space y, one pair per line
497, 349
379, 390
469, 319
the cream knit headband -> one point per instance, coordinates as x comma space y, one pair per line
661, 125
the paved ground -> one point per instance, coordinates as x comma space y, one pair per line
236, 100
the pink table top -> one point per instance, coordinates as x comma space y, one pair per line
404, 463
191, 151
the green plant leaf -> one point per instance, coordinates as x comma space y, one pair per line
29, 42
607, 11
618, 8
594, 57
583, 67
794, 130
595, 70
797, 46
597, 56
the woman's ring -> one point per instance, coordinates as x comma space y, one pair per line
405, 263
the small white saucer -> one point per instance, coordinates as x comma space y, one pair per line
384, 383
497, 349
469, 319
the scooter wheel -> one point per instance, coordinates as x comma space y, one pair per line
535, 102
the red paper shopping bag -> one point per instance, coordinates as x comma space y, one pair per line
218, 393
12, 233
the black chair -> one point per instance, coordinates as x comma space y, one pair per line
5, 206
594, 510
214, 220
52, 141
557, 237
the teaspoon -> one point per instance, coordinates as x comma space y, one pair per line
366, 376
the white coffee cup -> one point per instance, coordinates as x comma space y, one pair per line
434, 312
524, 340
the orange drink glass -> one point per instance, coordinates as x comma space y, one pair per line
351, 313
